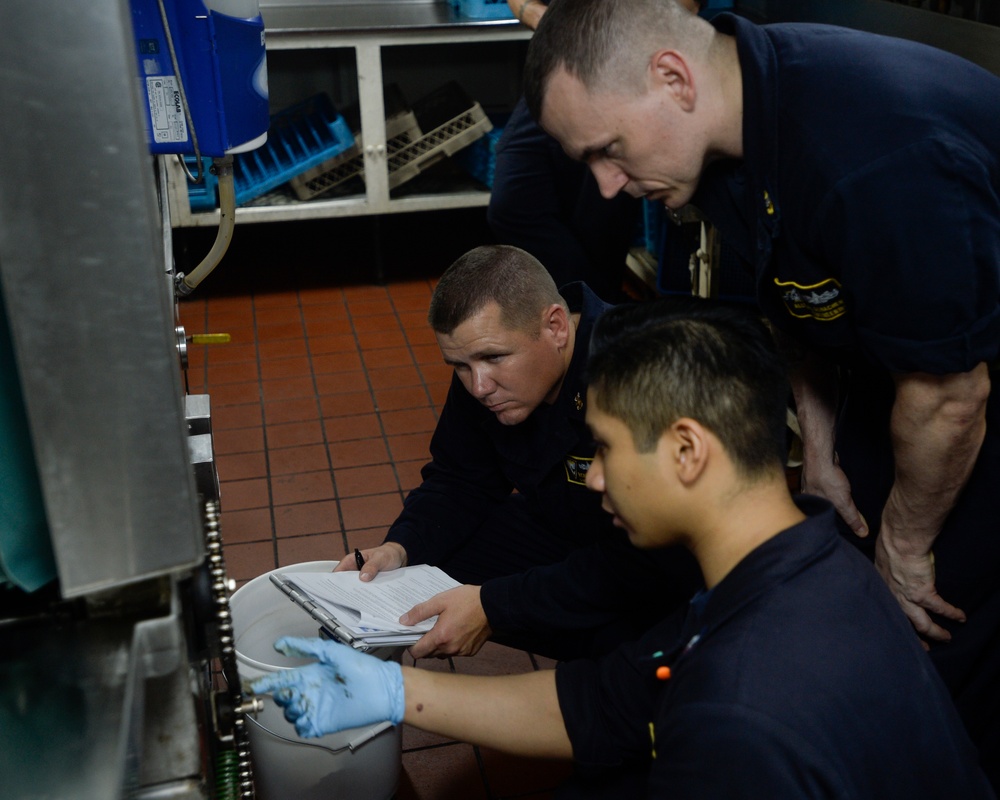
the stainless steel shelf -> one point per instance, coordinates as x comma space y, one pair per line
285, 20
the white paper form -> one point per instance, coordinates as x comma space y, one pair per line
375, 605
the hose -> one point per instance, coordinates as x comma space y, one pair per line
185, 284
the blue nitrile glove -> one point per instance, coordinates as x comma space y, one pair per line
346, 689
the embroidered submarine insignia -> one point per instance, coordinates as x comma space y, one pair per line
576, 469
822, 301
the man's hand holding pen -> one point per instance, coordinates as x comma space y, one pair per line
370, 563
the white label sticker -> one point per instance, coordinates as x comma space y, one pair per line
166, 113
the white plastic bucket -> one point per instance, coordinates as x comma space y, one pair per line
361, 763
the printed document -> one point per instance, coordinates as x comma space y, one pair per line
368, 611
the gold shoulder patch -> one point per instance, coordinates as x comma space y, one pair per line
821, 301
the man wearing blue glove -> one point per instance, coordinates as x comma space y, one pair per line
687, 406
343, 689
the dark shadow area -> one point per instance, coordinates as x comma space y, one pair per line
271, 256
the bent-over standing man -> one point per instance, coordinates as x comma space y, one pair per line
859, 176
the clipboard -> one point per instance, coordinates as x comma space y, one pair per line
327, 622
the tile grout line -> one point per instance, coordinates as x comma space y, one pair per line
319, 411
430, 400
341, 521
263, 420
371, 389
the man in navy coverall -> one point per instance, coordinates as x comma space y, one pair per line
793, 674
504, 491
860, 176
548, 204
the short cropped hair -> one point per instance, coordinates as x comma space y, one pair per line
652, 363
605, 43
508, 276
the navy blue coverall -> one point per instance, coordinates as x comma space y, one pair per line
797, 676
868, 204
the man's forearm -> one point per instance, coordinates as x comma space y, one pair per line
516, 714
938, 424
814, 386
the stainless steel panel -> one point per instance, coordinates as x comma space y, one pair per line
83, 277
95, 709
64, 710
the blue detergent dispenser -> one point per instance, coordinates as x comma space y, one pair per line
203, 71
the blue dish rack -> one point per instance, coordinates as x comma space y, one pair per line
482, 9
202, 196
479, 159
298, 138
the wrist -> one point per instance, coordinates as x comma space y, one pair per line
819, 458
398, 551
488, 601
395, 691
483, 618
904, 542
521, 9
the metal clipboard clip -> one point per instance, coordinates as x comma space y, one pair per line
326, 620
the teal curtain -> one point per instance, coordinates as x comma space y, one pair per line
26, 558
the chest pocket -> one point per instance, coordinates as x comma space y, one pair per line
576, 469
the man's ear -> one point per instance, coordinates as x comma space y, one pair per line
555, 321
688, 448
670, 70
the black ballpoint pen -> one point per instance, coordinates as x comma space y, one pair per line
358, 558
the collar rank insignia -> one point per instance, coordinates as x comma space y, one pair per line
576, 469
